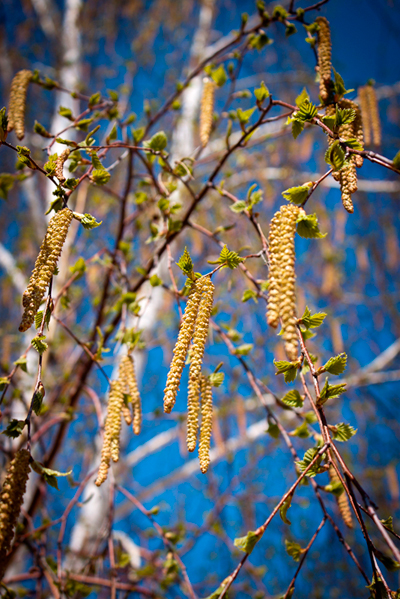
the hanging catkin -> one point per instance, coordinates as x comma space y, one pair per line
11, 499
181, 348
112, 429
274, 271
206, 423
45, 265
199, 341
127, 378
324, 51
282, 278
17, 102
342, 500
207, 109
288, 280
370, 114
59, 169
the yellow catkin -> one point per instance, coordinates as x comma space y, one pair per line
206, 423
11, 499
181, 348
274, 271
374, 115
17, 102
45, 265
289, 213
207, 109
129, 379
60, 164
324, 51
199, 341
342, 500
112, 429
364, 105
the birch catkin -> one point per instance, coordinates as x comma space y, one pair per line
199, 341
207, 110
11, 499
206, 423
342, 500
282, 278
370, 115
181, 348
363, 99
17, 102
45, 265
324, 51
59, 169
112, 429
129, 382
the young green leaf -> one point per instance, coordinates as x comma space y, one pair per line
297, 127
297, 195
261, 93
158, 142
39, 344
344, 116
354, 144
244, 349
302, 97
339, 87
22, 363
38, 400
239, 206
284, 508
307, 227
396, 161
248, 542
294, 550
335, 156
249, 294
14, 428
311, 321
216, 379
293, 399
185, 263
307, 459
88, 221
335, 365
49, 475
343, 432
229, 258
219, 75
388, 523
306, 111
331, 391
288, 369
335, 487
301, 431
100, 176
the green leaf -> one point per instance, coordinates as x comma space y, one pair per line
396, 161
306, 111
297, 195
14, 428
158, 142
39, 344
39, 318
331, 391
336, 488
219, 75
297, 127
294, 550
389, 563
40, 130
49, 475
307, 459
6, 183
216, 379
100, 176
339, 87
336, 365
244, 115
307, 227
354, 144
302, 97
284, 508
4, 382
244, 349
155, 281
185, 263
293, 399
335, 156
239, 206
254, 197
249, 294
311, 321
37, 400
261, 93
22, 363
88, 221
302, 431
65, 112
388, 523
260, 40
288, 369
343, 432
248, 542
273, 430
94, 99
344, 116
290, 29
83, 124
229, 258
79, 267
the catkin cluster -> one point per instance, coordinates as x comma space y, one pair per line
17, 102
11, 499
194, 327
45, 265
125, 385
206, 423
207, 109
347, 176
342, 500
324, 51
282, 278
370, 115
